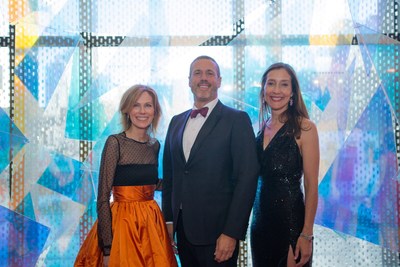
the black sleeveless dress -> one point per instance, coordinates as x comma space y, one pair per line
278, 212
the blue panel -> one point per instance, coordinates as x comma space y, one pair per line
27, 72
26, 208
22, 239
7, 142
63, 175
41, 75
97, 124
363, 176
367, 49
54, 69
323, 99
251, 103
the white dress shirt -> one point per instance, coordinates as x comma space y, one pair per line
193, 127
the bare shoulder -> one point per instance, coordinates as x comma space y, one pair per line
309, 133
307, 125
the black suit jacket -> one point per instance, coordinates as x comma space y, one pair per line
216, 186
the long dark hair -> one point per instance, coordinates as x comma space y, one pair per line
295, 113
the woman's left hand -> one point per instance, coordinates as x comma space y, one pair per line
303, 250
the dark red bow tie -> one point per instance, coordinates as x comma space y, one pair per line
202, 111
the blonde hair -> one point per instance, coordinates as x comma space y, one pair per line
130, 97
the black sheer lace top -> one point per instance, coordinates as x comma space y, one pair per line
124, 162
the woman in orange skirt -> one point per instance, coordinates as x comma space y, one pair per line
130, 231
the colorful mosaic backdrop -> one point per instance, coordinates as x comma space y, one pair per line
64, 65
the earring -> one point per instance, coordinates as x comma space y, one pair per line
291, 101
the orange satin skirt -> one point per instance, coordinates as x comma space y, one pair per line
140, 237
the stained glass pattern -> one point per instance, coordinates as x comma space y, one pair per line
65, 64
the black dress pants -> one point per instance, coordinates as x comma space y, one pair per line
199, 256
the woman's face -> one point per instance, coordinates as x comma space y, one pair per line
142, 112
278, 89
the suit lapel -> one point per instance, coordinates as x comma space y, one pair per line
208, 126
185, 118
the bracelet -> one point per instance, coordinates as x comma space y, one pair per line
307, 237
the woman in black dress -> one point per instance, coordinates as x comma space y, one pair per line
288, 146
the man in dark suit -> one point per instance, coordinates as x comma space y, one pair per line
210, 171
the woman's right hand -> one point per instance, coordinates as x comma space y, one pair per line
106, 260
170, 229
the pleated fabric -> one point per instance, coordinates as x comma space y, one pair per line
140, 237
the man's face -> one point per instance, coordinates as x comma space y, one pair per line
204, 81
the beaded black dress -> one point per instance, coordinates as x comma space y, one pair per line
278, 212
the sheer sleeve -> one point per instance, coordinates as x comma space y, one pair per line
109, 160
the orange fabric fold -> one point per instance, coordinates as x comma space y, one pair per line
133, 193
140, 237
